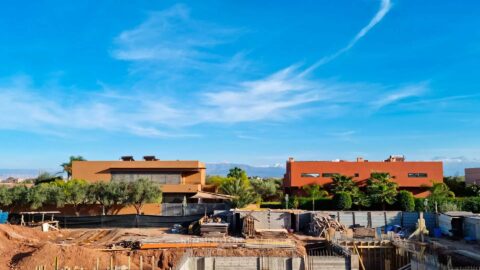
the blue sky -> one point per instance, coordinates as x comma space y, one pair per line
239, 81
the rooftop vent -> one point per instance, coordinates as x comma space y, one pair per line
127, 158
150, 158
291, 159
360, 159
395, 158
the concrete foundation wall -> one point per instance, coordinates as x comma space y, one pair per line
377, 219
269, 219
260, 263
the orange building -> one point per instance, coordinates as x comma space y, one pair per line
415, 176
177, 178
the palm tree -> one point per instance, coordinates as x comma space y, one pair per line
67, 166
315, 191
381, 189
343, 183
243, 194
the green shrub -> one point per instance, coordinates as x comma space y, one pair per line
305, 203
419, 204
342, 201
405, 200
471, 204
272, 205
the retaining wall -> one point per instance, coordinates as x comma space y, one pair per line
376, 219
260, 263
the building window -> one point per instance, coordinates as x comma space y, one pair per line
330, 175
156, 177
310, 174
417, 175
356, 175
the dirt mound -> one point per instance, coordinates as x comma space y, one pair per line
70, 256
17, 242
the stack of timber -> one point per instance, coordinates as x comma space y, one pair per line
271, 233
214, 229
322, 223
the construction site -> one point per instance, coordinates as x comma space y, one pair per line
262, 239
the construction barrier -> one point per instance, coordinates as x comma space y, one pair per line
116, 221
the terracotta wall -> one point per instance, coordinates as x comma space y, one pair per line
193, 172
398, 170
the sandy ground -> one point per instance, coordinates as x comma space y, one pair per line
27, 248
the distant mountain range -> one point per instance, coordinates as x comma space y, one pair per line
276, 170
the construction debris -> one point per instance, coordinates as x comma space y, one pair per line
322, 223
213, 227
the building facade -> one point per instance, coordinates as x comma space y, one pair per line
415, 176
472, 176
177, 178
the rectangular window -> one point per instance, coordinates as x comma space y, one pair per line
310, 174
157, 177
330, 175
417, 175
356, 175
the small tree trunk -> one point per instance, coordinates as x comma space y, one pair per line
138, 207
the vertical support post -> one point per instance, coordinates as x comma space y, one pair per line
153, 262
97, 266
129, 262
111, 262
385, 217
56, 263
141, 262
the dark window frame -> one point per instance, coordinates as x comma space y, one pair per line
417, 175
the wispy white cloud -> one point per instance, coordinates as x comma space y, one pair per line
173, 38
174, 42
385, 7
413, 90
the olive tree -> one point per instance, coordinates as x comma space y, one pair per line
141, 192
110, 194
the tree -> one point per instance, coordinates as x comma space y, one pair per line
141, 192
381, 189
67, 166
110, 194
315, 191
406, 201
39, 195
215, 180
243, 193
268, 189
6, 198
47, 177
343, 183
457, 185
440, 194
237, 173
19, 195
342, 201
75, 192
